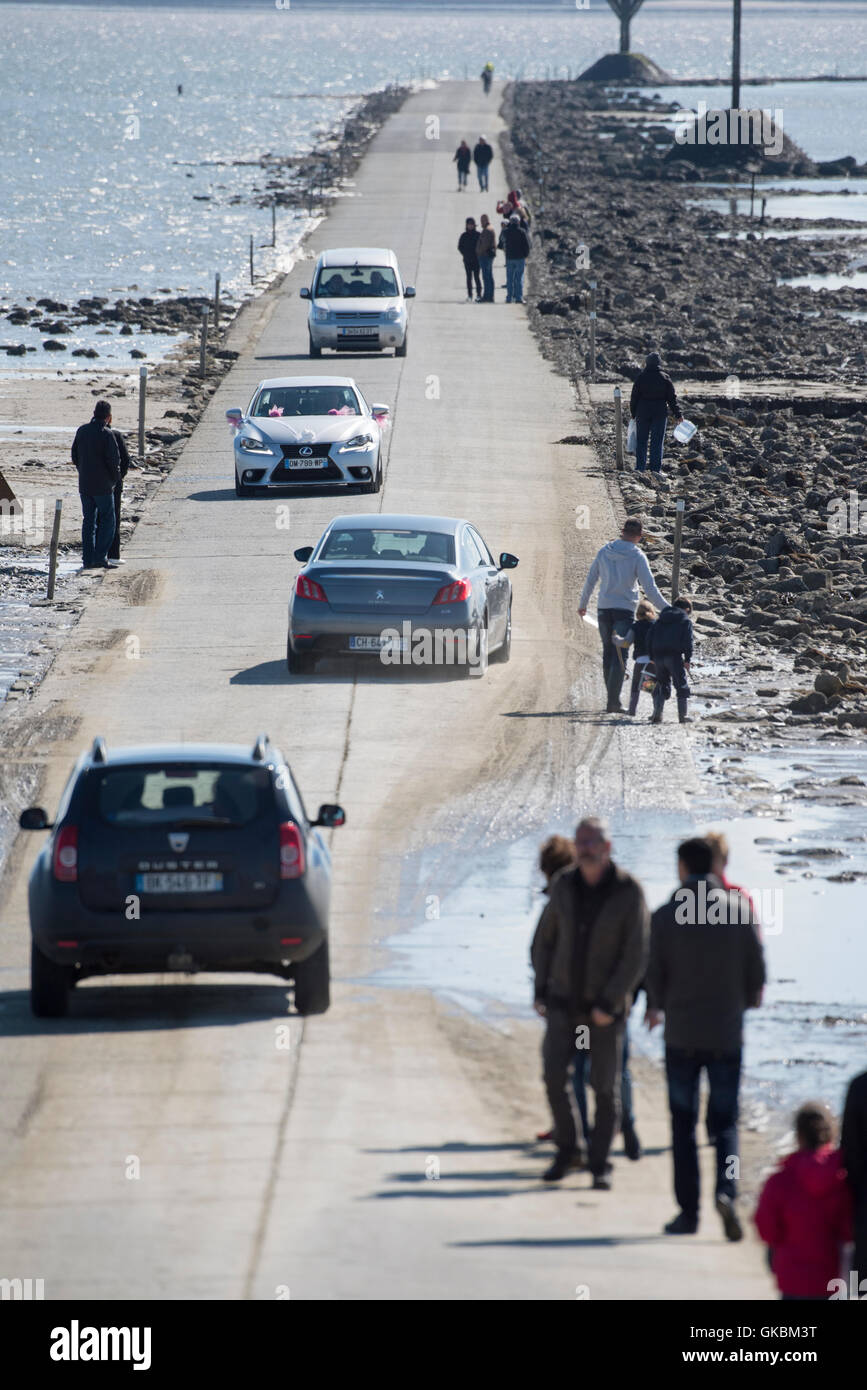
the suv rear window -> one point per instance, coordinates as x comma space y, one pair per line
175, 794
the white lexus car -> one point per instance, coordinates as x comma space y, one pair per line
303, 431
357, 302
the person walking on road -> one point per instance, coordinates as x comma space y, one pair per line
636, 638
854, 1145
588, 955
618, 569
517, 247
653, 395
669, 645
482, 155
96, 457
487, 76
462, 158
468, 245
706, 968
125, 461
804, 1215
487, 250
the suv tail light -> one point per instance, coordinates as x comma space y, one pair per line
458, 592
65, 863
308, 588
291, 851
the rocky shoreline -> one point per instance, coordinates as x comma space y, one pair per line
774, 545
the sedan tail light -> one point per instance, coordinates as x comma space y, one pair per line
291, 851
65, 862
308, 588
458, 592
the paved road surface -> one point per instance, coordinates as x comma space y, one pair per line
310, 1168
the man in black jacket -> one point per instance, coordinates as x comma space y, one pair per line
96, 456
588, 955
706, 968
482, 156
468, 245
516, 245
669, 646
653, 395
853, 1142
123, 452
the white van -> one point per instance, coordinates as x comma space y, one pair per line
357, 302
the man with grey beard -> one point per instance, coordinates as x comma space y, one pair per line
588, 956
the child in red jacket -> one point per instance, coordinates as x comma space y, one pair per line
805, 1209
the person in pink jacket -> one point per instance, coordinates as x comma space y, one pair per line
804, 1214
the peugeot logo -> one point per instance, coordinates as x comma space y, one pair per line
306, 451
179, 841
380, 596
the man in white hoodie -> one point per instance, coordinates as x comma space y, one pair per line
619, 568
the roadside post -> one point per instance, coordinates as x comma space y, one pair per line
217, 302
251, 258
55, 540
273, 221
592, 330
618, 427
142, 399
675, 563
203, 345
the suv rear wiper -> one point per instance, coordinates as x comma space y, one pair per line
190, 824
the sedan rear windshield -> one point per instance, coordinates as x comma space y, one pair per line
172, 794
289, 401
356, 282
369, 543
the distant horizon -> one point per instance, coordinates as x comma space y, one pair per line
408, 6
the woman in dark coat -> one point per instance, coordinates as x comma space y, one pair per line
653, 395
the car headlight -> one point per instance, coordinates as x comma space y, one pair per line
254, 446
392, 315
321, 315
357, 442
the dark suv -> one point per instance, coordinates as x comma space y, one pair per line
180, 857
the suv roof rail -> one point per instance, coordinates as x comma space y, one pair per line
98, 752
260, 748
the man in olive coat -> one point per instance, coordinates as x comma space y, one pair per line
589, 954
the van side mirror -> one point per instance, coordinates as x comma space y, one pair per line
507, 561
34, 818
234, 416
305, 293
409, 292
330, 816
303, 553
380, 412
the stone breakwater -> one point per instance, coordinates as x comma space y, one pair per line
775, 481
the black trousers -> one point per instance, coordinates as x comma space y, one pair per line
473, 270
114, 548
670, 669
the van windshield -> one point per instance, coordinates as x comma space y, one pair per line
356, 282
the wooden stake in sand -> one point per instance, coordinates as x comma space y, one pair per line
675, 563
618, 426
55, 538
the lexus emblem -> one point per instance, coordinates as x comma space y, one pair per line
179, 841
306, 451
380, 596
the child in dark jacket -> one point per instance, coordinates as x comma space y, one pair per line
669, 646
805, 1209
636, 638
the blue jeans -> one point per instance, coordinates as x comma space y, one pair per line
487, 264
652, 428
514, 279
579, 1084
482, 171
683, 1069
613, 620
97, 528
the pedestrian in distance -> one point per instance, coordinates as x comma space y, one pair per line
653, 395
125, 462
636, 638
486, 251
558, 853
463, 156
804, 1215
517, 248
854, 1145
669, 645
618, 569
483, 153
706, 969
468, 245
487, 76
588, 955
96, 457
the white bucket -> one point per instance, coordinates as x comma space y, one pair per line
684, 431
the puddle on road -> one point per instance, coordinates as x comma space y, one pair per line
809, 1038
